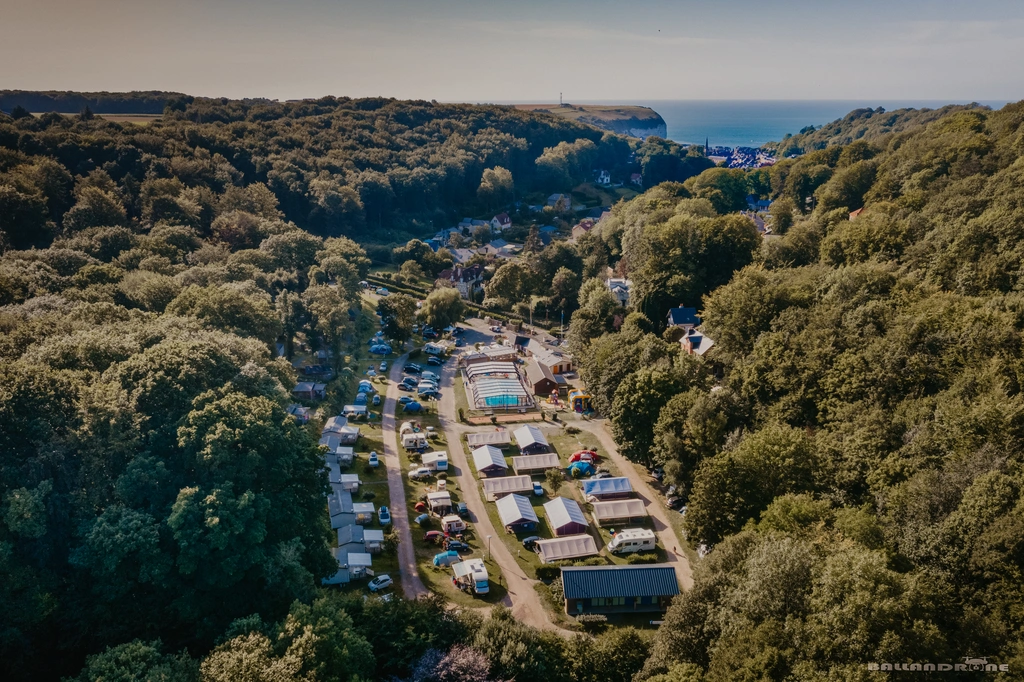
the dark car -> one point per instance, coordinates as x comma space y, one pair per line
456, 546
410, 381
434, 360
430, 334
462, 510
674, 503
531, 542
406, 387
412, 369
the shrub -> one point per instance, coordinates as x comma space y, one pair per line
462, 415
369, 494
442, 476
549, 572
572, 430
592, 622
554, 479
642, 559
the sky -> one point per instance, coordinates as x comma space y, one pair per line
520, 50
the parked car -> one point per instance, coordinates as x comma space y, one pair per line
538, 489
430, 334
531, 542
382, 291
383, 366
412, 381
374, 461
496, 329
381, 582
428, 394
435, 360
384, 516
459, 343
419, 473
427, 374
462, 510
406, 387
423, 520
600, 474
412, 368
413, 407
456, 546
434, 536
674, 503
376, 400
405, 399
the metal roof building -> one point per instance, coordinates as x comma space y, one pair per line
607, 488
489, 461
495, 488
571, 547
531, 440
516, 513
498, 437
618, 511
529, 464
565, 517
618, 589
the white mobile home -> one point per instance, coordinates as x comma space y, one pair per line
633, 540
436, 461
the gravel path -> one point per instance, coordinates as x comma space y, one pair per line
411, 583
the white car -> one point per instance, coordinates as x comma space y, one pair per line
418, 473
382, 291
373, 461
383, 366
384, 516
381, 582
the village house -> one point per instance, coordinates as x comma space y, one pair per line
560, 202
501, 222
696, 343
308, 390
604, 177
582, 227
683, 317
620, 289
636, 179
465, 279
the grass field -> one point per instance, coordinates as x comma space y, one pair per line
605, 113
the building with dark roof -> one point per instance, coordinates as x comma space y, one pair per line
618, 589
683, 317
540, 379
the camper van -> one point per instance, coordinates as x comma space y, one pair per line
471, 576
414, 441
453, 524
436, 461
632, 540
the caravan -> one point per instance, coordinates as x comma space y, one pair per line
471, 576
436, 461
414, 441
633, 540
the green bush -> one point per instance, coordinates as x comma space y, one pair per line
548, 572
592, 622
572, 430
642, 559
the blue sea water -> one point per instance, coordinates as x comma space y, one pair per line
752, 123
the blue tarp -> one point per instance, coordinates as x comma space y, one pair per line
580, 469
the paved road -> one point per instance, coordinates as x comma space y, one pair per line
659, 514
411, 583
523, 599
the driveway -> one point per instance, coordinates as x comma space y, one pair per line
411, 583
658, 513
525, 603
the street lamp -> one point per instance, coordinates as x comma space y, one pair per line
488, 547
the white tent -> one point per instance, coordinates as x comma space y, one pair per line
565, 517
618, 511
570, 547
489, 460
527, 464
499, 487
498, 437
516, 510
531, 440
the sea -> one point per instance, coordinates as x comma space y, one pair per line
752, 123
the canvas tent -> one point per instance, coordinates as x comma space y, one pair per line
498, 437
489, 461
506, 485
565, 517
516, 513
571, 547
607, 489
533, 464
618, 511
531, 440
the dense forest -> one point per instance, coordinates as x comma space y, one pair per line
849, 449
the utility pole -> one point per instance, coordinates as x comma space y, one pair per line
559, 99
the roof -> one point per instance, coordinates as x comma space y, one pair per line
339, 503
502, 218
562, 511
335, 424
497, 368
363, 508
680, 316
433, 457
487, 456
507, 484
537, 373
497, 243
589, 582
372, 535
498, 437
698, 343
331, 441
352, 533
569, 547
359, 559
513, 509
550, 357
528, 435
548, 460
439, 498
618, 509
521, 341
607, 486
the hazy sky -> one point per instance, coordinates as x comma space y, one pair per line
485, 50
